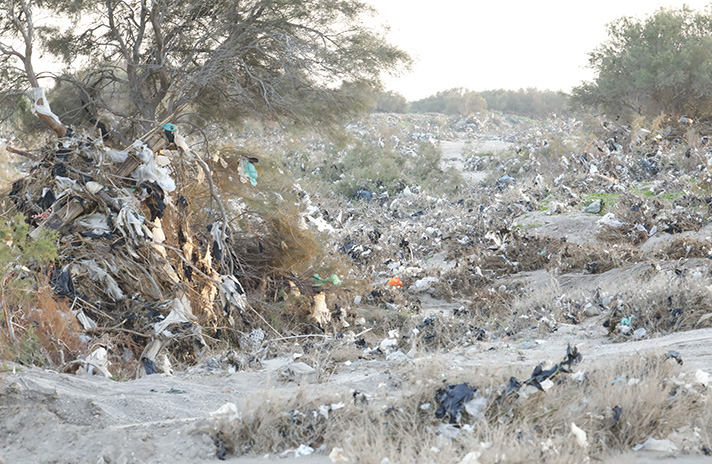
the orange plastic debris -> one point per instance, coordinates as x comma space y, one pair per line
395, 282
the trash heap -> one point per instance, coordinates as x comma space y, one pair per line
137, 256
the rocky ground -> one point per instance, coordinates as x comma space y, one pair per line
543, 239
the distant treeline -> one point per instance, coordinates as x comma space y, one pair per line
530, 102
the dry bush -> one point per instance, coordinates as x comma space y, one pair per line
670, 305
46, 331
590, 258
645, 388
273, 423
649, 212
684, 248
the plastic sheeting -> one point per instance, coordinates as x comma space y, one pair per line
149, 171
96, 273
130, 224
231, 292
38, 94
97, 363
181, 312
96, 224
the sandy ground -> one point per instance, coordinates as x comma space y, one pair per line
46, 417
51, 417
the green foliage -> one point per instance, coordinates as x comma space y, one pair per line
457, 101
660, 64
391, 102
29, 351
531, 102
19, 249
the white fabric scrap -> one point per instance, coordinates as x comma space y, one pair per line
223, 419
38, 94
217, 232
303, 450
472, 457
65, 183
611, 221
159, 236
94, 187
702, 377
181, 143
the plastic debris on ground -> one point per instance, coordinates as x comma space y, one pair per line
320, 312
665, 447
580, 435
332, 279
454, 400
298, 372
541, 379
395, 282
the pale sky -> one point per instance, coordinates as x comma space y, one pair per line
509, 44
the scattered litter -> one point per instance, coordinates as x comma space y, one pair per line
247, 171
298, 372
450, 431
702, 377
363, 194
594, 207
303, 450
181, 312
395, 282
96, 273
580, 436
320, 312
337, 455
175, 391
661, 446
452, 400
473, 457
617, 411
627, 320
325, 409
333, 279
97, 363
672, 354
541, 375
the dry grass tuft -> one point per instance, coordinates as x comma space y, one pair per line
618, 403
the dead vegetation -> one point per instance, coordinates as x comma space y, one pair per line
616, 405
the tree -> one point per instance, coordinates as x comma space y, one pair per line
457, 101
661, 64
142, 59
390, 102
531, 102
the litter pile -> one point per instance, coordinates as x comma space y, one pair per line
130, 260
